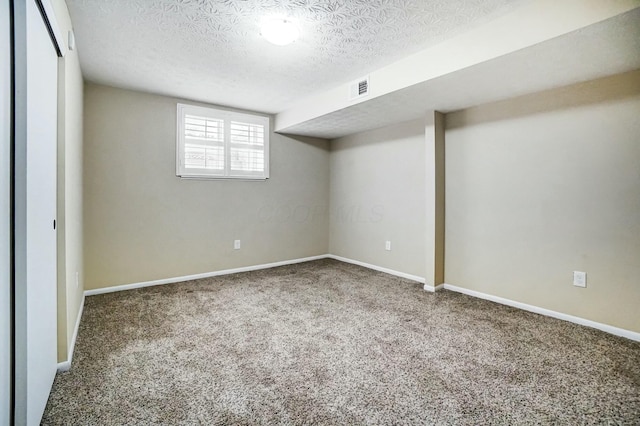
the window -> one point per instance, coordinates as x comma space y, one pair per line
214, 143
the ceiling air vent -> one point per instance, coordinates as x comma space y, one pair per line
359, 88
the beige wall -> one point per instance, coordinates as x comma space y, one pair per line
378, 194
543, 185
70, 223
143, 223
536, 187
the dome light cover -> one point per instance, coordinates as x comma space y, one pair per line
279, 31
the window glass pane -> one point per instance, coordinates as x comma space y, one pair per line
203, 157
203, 128
247, 133
247, 159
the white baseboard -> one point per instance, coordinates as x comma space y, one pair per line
547, 312
377, 268
199, 276
66, 365
433, 289
63, 366
248, 269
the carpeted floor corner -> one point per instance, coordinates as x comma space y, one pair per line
330, 343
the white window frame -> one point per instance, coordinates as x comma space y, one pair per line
227, 117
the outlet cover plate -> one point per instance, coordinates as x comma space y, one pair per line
579, 279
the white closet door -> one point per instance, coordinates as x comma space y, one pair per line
5, 136
36, 146
42, 132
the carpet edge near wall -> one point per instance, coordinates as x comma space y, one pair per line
617, 331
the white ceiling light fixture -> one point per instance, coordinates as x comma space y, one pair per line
279, 31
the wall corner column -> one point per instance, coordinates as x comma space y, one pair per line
435, 199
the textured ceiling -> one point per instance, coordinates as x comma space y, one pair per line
606, 48
211, 51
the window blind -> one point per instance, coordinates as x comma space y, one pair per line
214, 143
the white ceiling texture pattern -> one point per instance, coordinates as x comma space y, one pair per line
211, 51
603, 49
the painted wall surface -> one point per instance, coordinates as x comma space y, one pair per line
542, 185
70, 216
378, 194
143, 223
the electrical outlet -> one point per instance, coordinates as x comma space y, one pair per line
387, 245
77, 279
236, 245
579, 279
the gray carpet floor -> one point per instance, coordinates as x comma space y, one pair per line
331, 343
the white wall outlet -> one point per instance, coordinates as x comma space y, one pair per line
236, 244
579, 279
387, 245
77, 279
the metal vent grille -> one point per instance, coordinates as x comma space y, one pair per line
359, 88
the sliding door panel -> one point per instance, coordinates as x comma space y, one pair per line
5, 242
36, 147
